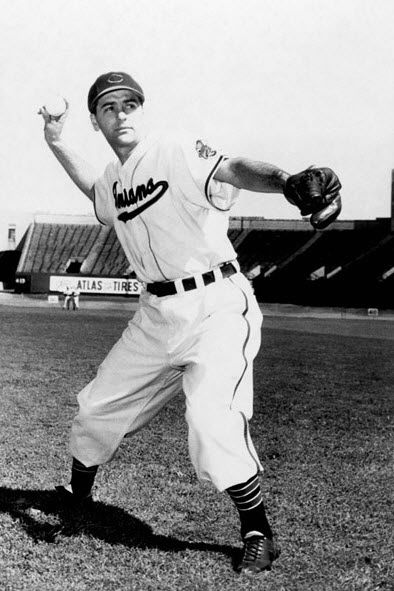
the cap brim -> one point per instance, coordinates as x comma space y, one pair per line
121, 87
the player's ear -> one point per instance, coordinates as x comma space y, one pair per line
94, 122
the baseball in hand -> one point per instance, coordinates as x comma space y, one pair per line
55, 106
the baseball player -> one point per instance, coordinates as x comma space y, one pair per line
68, 294
197, 329
76, 293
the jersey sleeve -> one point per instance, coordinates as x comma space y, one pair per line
102, 194
197, 164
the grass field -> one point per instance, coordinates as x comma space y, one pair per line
322, 425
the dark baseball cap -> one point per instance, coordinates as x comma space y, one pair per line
113, 81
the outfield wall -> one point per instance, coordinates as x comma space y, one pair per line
351, 263
93, 285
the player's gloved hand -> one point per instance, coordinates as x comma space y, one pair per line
53, 126
315, 191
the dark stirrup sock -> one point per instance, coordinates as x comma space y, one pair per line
82, 478
247, 498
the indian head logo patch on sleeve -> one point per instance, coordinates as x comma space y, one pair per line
203, 150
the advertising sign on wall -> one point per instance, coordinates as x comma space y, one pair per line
96, 285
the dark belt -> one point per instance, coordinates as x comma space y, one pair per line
165, 288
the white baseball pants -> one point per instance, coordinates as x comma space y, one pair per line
202, 342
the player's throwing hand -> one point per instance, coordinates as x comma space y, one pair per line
54, 123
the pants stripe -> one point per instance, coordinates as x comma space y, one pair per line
246, 437
244, 313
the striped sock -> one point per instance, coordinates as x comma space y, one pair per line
248, 499
82, 478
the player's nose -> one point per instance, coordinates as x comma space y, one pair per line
121, 115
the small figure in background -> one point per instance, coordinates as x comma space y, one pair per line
75, 296
68, 298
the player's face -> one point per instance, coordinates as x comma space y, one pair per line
119, 116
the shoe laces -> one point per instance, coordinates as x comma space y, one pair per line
253, 548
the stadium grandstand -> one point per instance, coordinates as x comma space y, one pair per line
351, 263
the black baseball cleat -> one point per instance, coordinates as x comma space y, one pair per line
68, 500
258, 555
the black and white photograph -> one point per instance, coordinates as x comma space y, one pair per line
197, 295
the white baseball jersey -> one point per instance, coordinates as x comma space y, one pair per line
170, 215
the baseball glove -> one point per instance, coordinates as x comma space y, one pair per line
315, 191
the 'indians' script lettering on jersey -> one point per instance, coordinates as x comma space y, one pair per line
125, 198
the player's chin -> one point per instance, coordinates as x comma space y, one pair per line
125, 136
